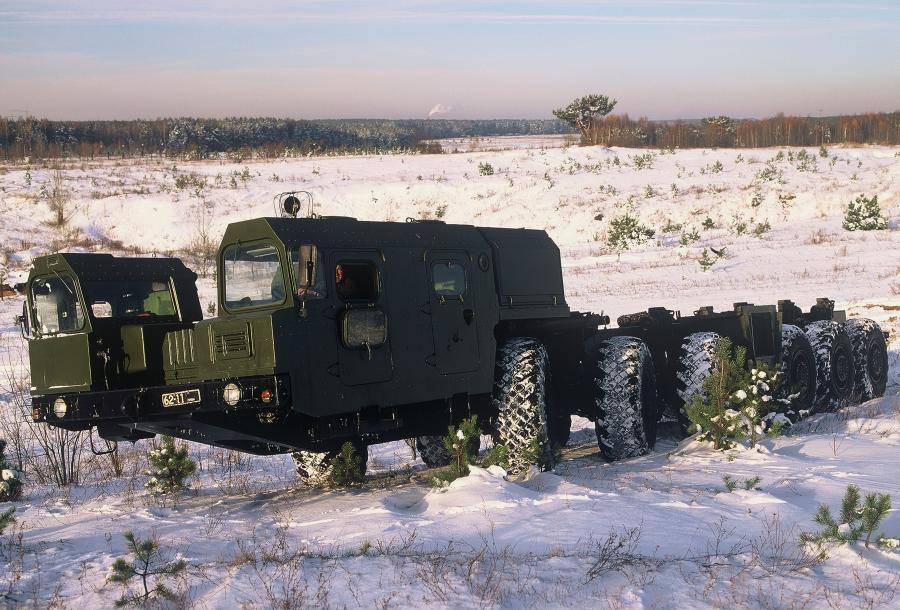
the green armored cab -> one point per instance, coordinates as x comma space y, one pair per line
332, 329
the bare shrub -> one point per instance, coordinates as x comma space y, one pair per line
49, 454
58, 200
203, 247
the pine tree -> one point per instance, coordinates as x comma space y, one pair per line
857, 521
7, 518
705, 261
864, 214
169, 467
581, 113
711, 410
148, 565
462, 443
10, 479
346, 469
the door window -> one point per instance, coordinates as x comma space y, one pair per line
449, 279
356, 281
56, 305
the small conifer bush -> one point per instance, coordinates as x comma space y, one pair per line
170, 466
736, 403
148, 565
10, 478
864, 214
346, 469
625, 232
462, 444
485, 169
7, 518
858, 520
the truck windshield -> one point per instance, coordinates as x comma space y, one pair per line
150, 298
253, 276
56, 305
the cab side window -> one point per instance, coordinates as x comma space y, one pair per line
356, 281
449, 279
56, 305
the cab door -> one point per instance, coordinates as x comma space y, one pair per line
364, 343
453, 316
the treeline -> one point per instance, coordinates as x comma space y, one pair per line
726, 132
243, 136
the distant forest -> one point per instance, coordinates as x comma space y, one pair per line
243, 138
725, 132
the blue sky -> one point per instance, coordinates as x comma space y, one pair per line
477, 59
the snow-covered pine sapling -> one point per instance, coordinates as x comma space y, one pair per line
857, 521
169, 467
625, 232
705, 261
462, 443
485, 169
7, 518
708, 224
147, 564
761, 228
346, 469
730, 482
498, 455
734, 399
752, 483
689, 237
864, 214
10, 478
710, 411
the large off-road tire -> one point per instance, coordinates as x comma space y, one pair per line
869, 358
433, 452
520, 386
696, 360
626, 399
798, 370
314, 468
834, 365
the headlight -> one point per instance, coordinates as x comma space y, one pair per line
231, 394
60, 407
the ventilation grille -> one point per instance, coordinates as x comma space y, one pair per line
231, 344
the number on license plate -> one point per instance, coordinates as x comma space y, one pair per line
178, 399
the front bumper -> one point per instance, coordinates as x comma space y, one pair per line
86, 409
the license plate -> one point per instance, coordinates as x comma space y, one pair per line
178, 399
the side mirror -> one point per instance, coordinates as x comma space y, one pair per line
363, 329
23, 322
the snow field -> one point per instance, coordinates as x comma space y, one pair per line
659, 531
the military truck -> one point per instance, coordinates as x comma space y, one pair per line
332, 329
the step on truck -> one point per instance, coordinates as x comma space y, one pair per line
334, 330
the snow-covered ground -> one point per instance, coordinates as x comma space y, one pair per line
656, 532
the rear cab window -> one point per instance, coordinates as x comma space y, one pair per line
149, 298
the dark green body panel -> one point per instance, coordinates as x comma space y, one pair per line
105, 354
434, 349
